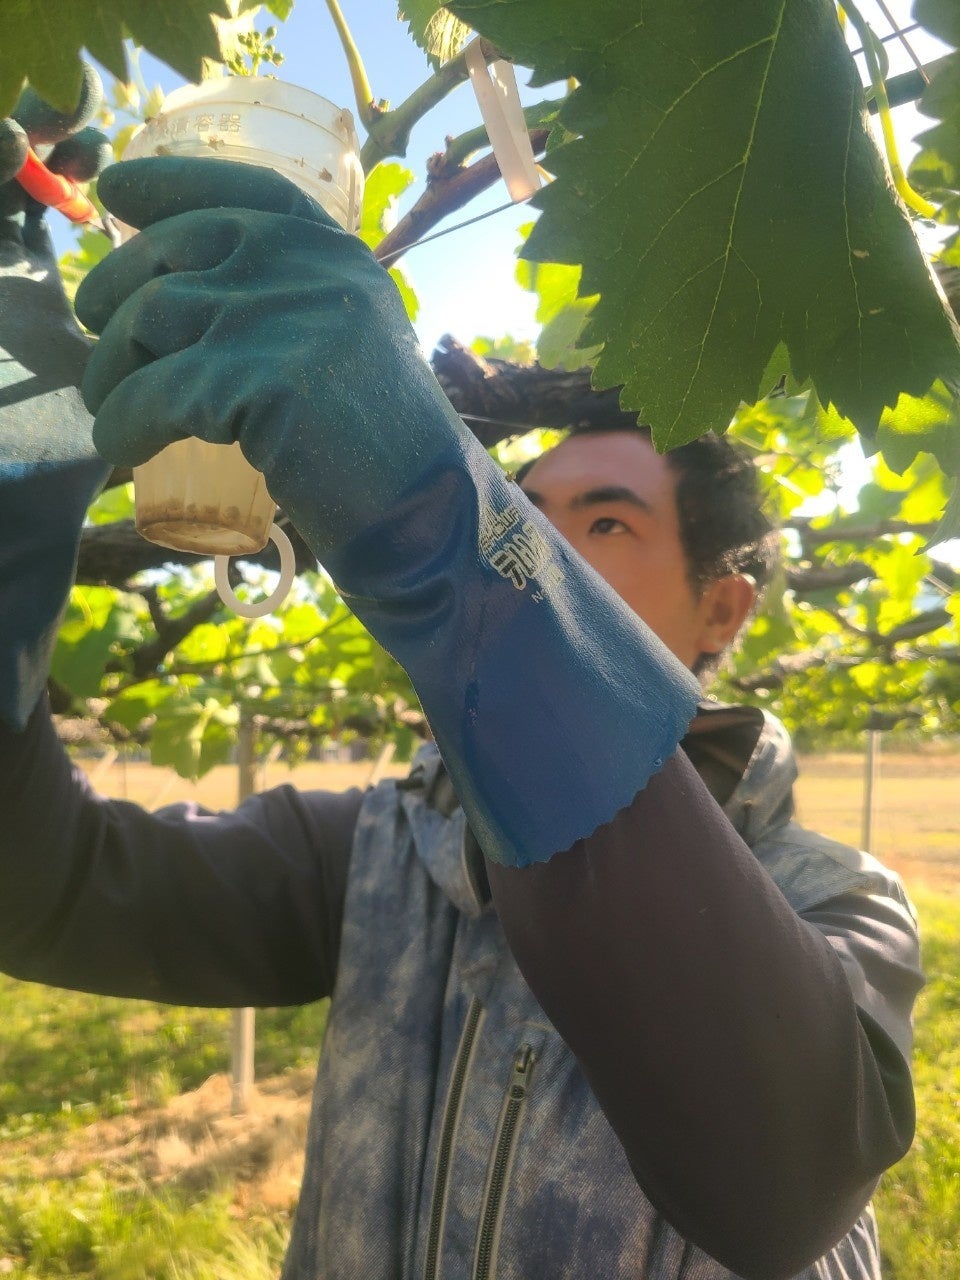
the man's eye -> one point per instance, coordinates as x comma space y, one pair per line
608, 524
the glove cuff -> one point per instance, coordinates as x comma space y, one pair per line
551, 702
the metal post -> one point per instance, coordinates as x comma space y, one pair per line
871, 777
244, 1020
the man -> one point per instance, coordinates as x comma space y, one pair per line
589, 1024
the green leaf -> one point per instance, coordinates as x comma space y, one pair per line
949, 526
930, 424
942, 17
936, 168
192, 735
130, 708
435, 29
900, 570
92, 247
208, 642
411, 301
301, 622
42, 40
506, 347
561, 311
113, 504
97, 618
725, 195
558, 346
382, 188
280, 8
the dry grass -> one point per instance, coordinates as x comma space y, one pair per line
152, 787
916, 823
917, 815
195, 1143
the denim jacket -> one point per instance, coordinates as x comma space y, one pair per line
452, 1133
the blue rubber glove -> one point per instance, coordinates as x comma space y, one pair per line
49, 470
243, 312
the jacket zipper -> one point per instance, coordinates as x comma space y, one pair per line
514, 1103
448, 1130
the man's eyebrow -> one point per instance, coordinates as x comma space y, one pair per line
595, 497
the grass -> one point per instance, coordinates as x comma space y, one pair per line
918, 1205
121, 1159
131, 1054
86, 1228
106, 1174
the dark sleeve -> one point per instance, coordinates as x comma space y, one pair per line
181, 905
753, 1063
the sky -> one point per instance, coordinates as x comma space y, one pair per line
465, 280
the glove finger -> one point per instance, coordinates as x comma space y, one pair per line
162, 401
14, 145
36, 232
161, 319
82, 156
192, 242
142, 192
45, 124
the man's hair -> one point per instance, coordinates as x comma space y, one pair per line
723, 526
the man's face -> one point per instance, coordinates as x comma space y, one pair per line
613, 498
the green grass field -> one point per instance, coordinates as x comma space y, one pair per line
121, 1158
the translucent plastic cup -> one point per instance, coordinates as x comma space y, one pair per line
206, 498
194, 496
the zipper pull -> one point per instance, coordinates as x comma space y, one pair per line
522, 1065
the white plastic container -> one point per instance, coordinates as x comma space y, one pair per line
206, 498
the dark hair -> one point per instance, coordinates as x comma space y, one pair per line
723, 526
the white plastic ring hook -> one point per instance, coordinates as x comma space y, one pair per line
258, 608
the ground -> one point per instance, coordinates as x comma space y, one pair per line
192, 1146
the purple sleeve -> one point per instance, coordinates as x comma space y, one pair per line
183, 906
753, 1063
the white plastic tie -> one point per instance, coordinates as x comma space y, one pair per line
258, 608
499, 100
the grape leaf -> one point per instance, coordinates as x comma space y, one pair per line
435, 29
131, 707
942, 17
562, 314
930, 423
190, 735
725, 194
381, 190
279, 8
936, 169
42, 40
95, 620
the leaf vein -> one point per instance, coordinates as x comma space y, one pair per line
691, 88
641, 333
850, 253
675, 214
733, 219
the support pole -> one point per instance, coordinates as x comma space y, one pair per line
871, 778
243, 1032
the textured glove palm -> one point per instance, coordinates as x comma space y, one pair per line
242, 312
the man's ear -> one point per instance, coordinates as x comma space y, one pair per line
724, 607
